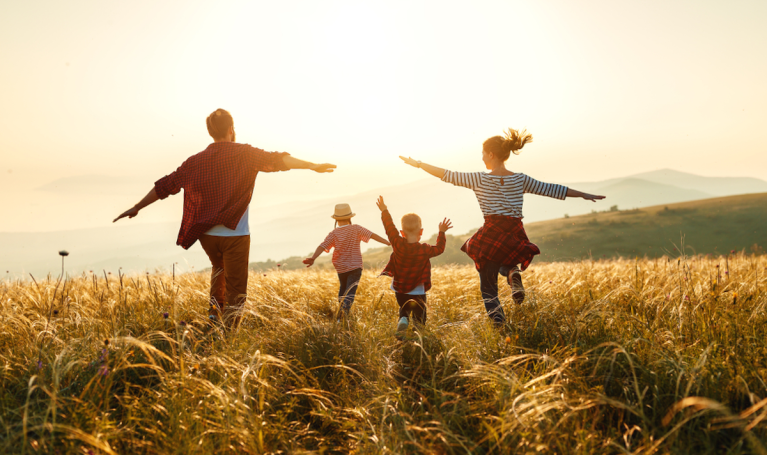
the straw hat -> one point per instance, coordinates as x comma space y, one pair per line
343, 212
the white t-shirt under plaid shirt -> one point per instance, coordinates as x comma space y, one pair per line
502, 194
346, 241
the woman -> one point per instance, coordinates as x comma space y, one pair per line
501, 244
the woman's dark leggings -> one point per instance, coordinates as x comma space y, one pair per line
348, 288
488, 285
412, 303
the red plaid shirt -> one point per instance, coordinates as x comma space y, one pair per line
501, 239
218, 184
409, 262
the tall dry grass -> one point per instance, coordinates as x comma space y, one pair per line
620, 356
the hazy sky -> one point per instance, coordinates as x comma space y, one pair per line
122, 89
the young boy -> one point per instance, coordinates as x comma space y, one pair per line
409, 264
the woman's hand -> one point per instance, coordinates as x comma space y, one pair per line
411, 161
308, 261
589, 197
592, 197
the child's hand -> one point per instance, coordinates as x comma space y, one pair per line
445, 225
380, 203
309, 262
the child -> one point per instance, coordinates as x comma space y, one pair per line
409, 264
347, 258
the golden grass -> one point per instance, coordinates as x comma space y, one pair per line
618, 356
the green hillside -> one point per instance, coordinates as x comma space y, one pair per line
707, 226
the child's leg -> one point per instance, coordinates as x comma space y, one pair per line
418, 306
404, 312
404, 307
348, 289
488, 285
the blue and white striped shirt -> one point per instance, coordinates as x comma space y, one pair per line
502, 194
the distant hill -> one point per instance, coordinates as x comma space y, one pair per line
710, 226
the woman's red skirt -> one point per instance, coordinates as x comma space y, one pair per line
501, 239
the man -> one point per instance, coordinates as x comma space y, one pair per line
218, 185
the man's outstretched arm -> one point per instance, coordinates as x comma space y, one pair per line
150, 197
295, 163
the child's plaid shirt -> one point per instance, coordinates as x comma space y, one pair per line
409, 264
218, 184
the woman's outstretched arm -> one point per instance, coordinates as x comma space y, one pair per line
575, 193
433, 170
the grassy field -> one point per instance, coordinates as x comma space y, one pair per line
605, 356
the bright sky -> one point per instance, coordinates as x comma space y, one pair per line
122, 89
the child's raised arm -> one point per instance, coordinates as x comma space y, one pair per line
445, 225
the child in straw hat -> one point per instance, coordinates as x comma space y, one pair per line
345, 238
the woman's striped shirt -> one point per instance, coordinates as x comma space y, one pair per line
502, 194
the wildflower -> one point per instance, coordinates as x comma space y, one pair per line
183, 323
726, 272
279, 265
732, 251
165, 315
39, 364
55, 312
717, 266
687, 297
508, 339
103, 370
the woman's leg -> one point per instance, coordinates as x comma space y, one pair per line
488, 286
514, 278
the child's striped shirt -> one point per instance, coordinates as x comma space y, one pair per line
502, 194
346, 242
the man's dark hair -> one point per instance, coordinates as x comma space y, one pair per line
219, 123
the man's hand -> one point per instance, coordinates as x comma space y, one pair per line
130, 213
380, 203
323, 168
409, 161
309, 262
445, 225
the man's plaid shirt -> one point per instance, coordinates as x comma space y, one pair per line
218, 184
409, 264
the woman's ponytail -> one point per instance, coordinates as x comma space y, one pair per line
512, 141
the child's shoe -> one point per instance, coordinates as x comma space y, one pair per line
517, 289
401, 327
